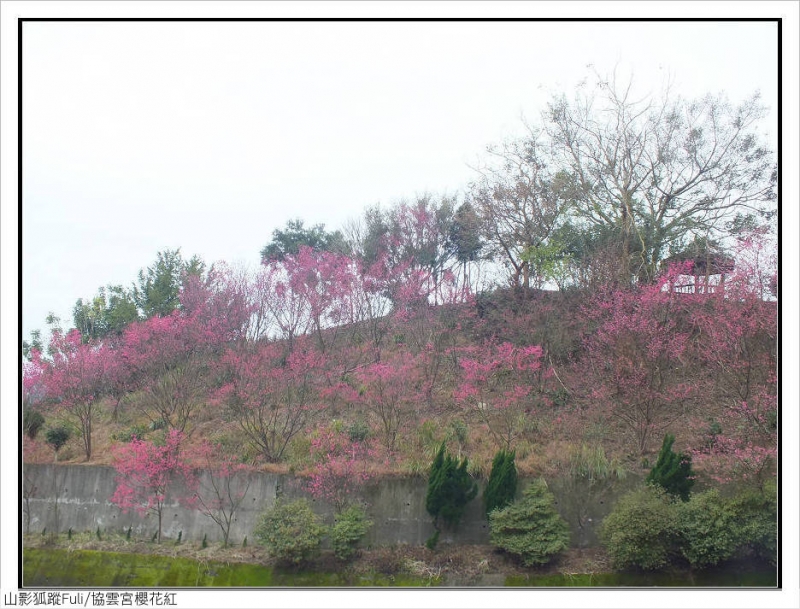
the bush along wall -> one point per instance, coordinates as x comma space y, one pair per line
649, 528
530, 528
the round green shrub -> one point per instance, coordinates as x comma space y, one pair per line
350, 527
708, 529
756, 522
291, 532
530, 528
642, 530
57, 437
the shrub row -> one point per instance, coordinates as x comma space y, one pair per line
293, 534
649, 529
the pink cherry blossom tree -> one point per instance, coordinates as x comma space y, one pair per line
496, 386
148, 474
392, 392
221, 486
74, 381
737, 333
272, 395
162, 358
637, 358
341, 467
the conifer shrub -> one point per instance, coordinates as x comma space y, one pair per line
350, 527
56, 437
502, 486
530, 528
672, 471
291, 532
642, 530
433, 540
450, 489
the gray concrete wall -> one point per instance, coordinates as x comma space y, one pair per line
395, 505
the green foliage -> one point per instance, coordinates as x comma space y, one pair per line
32, 422
502, 486
428, 433
358, 431
590, 465
157, 424
109, 312
136, 431
69, 534
450, 488
712, 432
158, 290
648, 528
673, 471
35, 343
56, 437
756, 521
642, 530
530, 528
244, 542
708, 529
287, 242
465, 239
350, 527
460, 431
291, 531
432, 541
548, 260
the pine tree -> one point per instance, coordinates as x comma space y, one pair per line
502, 486
673, 471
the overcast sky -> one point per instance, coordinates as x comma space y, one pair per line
207, 136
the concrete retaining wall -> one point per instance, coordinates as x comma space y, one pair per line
395, 505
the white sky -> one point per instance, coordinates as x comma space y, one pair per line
208, 136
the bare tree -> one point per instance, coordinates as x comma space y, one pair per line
661, 171
520, 203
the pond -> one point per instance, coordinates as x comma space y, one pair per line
88, 568
729, 575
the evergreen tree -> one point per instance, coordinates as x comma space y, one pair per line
287, 242
57, 437
530, 528
450, 488
673, 471
502, 486
159, 286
